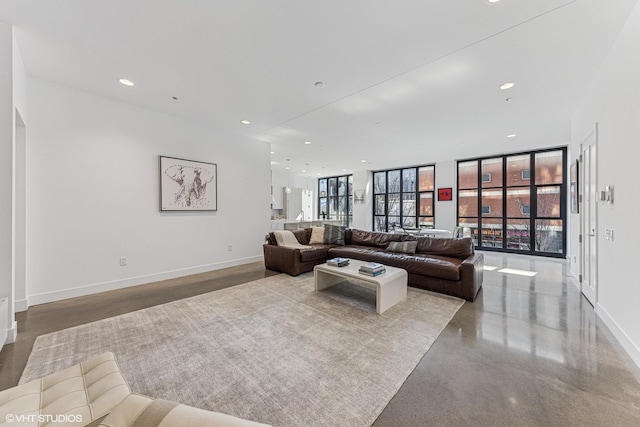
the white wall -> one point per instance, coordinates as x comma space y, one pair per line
13, 114
19, 81
363, 212
614, 103
93, 196
446, 213
20, 120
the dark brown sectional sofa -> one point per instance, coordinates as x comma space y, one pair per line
448, 266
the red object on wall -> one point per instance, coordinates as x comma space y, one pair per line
445, 194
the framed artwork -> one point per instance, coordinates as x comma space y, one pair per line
445, 194
573, 187
188, 185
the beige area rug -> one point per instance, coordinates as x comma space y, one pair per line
272, 350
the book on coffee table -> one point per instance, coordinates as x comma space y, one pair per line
372, 269
371, 266
372, 273
338, 262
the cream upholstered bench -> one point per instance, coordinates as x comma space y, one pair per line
94, 393
77, 396
142, 411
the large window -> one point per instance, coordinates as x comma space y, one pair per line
335, 199
515, 203
403, 198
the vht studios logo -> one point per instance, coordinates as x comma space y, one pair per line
43, 418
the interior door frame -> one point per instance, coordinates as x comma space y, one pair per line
589, 214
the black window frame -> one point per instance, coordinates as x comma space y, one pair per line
333, 196
405, 197
533, 204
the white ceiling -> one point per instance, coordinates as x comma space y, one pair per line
406, 81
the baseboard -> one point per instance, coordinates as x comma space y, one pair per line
62, 294
12, 333
575, 280
630, 347
21, 305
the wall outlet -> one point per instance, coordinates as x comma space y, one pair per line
123, 261
229, 248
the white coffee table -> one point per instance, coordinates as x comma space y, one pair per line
391, 286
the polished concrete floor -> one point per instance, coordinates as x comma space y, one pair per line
528, 352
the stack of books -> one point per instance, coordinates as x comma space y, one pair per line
338, 262
372, 269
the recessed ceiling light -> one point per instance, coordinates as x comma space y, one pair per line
363, 161
512, 135
507, 85
344, 170
304, 171
307, 142
287, 168
126, 82
245, 122
319, 84
273, 152
494, 1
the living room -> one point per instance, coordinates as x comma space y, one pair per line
84, 189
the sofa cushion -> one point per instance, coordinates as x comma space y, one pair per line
317, 253
408, 247
447, 268
373, 238
455, 248
301, 235
317, 236
334, 234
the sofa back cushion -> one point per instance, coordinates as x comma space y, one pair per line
317, 236
373, 238
406, 247
334, 234
455, 248
302, 236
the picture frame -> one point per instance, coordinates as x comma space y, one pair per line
573, 187
188, 185
445, 194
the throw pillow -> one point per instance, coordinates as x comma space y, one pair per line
334, 234
403, 247
317, 236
